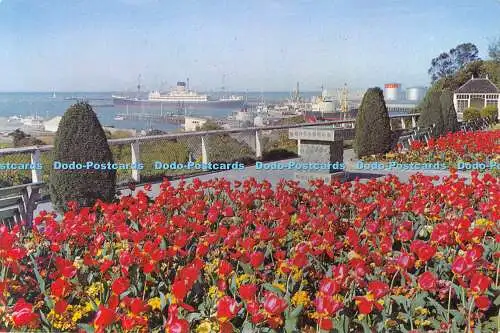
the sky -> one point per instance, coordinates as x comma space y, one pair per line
254, 45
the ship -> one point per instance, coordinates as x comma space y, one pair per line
329, 108
181, 97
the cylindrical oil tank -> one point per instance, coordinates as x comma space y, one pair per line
392, 91
415, 93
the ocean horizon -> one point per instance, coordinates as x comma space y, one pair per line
43, 104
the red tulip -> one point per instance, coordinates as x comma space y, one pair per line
179, 290
60, 288
364, 305
479, 283
483, 303
104, 317
247, 291
177, 325
228, 212
23, 315
256, 259
273, 304
326, 324
326, 305
60, 306
329, 287
120, 285
225, 268
425, 252
427, 281
462, 266
227, 309
300, 260
378, 288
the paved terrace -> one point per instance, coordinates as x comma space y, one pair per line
316, 143
274, 176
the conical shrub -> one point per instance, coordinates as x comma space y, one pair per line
373, 129
81, 139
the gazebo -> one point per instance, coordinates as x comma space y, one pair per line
477, 92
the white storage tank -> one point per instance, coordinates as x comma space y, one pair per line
392, 91
415, 94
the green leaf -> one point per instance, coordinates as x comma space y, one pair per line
39, 279
272, 288
87, 328
419, 300
163, 301
90, 277
247, 269
247, 327
401, 301
296, 312
291, 324
232, 286
193, 316
163, 244
49, 302
458, 316
439, 308
497, 301
366, 328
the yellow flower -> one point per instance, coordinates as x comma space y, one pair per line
301, 298
67, 321
242, 279
421, 311
215, 293
205, 327
483, 223
155, 303
280, 286
78, 262
95, 289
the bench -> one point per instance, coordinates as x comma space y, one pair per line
19, 202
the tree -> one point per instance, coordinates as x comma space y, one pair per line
81, 139
490, 112
494, 50
448, 63
471, 114
21, 139
431, 114
448, 111
441, 66
373, 129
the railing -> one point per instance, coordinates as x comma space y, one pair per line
239, 144
425, 133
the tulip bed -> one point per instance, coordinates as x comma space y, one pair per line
478, 146
216, 256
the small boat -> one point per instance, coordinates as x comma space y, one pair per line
33, 121
15, 119
119, 118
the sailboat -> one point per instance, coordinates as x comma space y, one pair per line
54, 94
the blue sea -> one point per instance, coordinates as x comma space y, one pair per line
43, 105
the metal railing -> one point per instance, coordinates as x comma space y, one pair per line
424, 134
229, 145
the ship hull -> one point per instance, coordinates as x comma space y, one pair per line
236, 104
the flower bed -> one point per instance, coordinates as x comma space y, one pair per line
372, 256
479, 146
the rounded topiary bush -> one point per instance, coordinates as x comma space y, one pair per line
471, 114
490, 112
81, 139
373, 129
